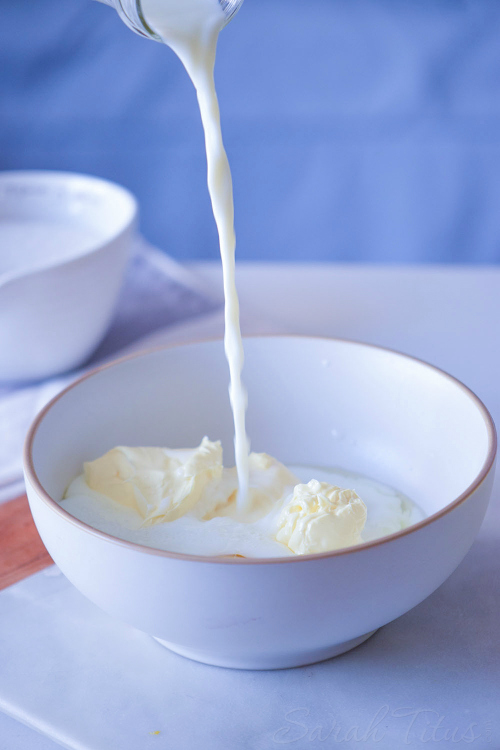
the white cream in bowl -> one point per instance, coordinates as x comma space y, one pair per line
185, 501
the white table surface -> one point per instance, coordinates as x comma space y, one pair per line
440, 663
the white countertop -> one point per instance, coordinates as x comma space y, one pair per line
439, 660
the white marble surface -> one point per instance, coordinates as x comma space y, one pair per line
430, 678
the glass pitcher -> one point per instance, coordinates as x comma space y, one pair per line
131, 13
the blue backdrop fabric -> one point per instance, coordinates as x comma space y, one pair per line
363, 130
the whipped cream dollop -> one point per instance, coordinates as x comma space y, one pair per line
184, 500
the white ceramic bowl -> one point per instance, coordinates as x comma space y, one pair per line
312, 401
56, 306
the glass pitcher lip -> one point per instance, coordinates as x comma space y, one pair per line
230, 8
130, 11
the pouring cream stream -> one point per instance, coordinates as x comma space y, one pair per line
191, 28
184, 500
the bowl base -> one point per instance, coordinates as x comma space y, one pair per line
284, 661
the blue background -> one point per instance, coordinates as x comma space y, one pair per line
365, 130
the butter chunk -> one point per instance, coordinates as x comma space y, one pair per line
321, 517
160, 484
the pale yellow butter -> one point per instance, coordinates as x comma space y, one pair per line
160, 484
321, 517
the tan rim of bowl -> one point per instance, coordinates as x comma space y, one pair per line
56, 507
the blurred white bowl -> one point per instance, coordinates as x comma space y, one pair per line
66, 241
314, 402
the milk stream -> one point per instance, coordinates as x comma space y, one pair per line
191, 28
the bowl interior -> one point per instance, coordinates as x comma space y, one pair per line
68, 215
312, 401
